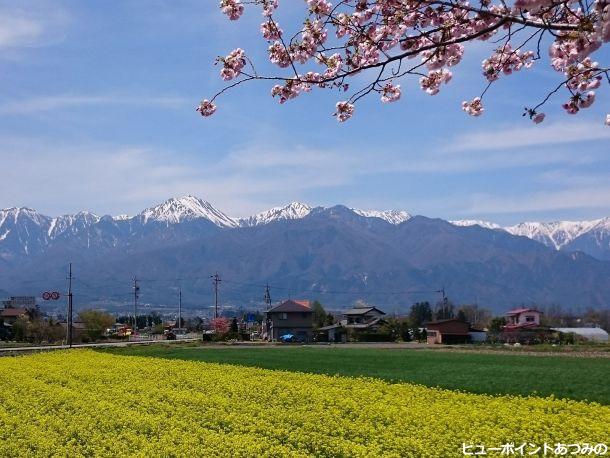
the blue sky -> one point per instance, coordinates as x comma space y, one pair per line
97, 112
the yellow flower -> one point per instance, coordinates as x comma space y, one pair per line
84, 403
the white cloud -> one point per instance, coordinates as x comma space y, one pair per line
521, 137
29, 24
18, 31
113, 179
570, 198
32, 105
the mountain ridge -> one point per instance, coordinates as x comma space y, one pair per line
590, 236
336, 254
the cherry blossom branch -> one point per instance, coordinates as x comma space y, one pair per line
382, 34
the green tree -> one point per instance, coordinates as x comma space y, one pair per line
20, 329
444, 310
5, 333
320, 316
478, 317
96, 322
420, 313
234, 329
416, 334
461, 315
496, 324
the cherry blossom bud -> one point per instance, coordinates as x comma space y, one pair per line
538, 118
206, 108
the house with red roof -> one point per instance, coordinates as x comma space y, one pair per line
522, 318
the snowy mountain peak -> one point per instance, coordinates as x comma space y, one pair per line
71, 223
391, 216
475, 222
557, 233
18, 214
179, 209
294, 210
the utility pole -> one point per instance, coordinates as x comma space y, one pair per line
69, 323
444, 307
268, 297
216, 280
136, 295
180, 308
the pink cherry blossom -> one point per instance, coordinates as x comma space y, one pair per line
607, 122
232, 64
390, 93
431, 84
474, 107
232, 8
506, 60
206, 108
279, 55
269, 6
271, 30
344, 111
320, 7
378, 41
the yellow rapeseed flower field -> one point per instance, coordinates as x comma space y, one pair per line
83, 403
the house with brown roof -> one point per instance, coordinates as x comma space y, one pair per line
12, 314
449, 331
291, 317
362, 317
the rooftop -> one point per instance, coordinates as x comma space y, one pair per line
521, 310
12, 312
362, 311
291, 306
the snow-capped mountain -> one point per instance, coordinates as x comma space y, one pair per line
592, 237
556, 234
24, 231
71, 223
298, 210
177, 210
391, 216
298, 246
475, 222
294, 210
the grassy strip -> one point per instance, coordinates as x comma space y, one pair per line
574, 378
